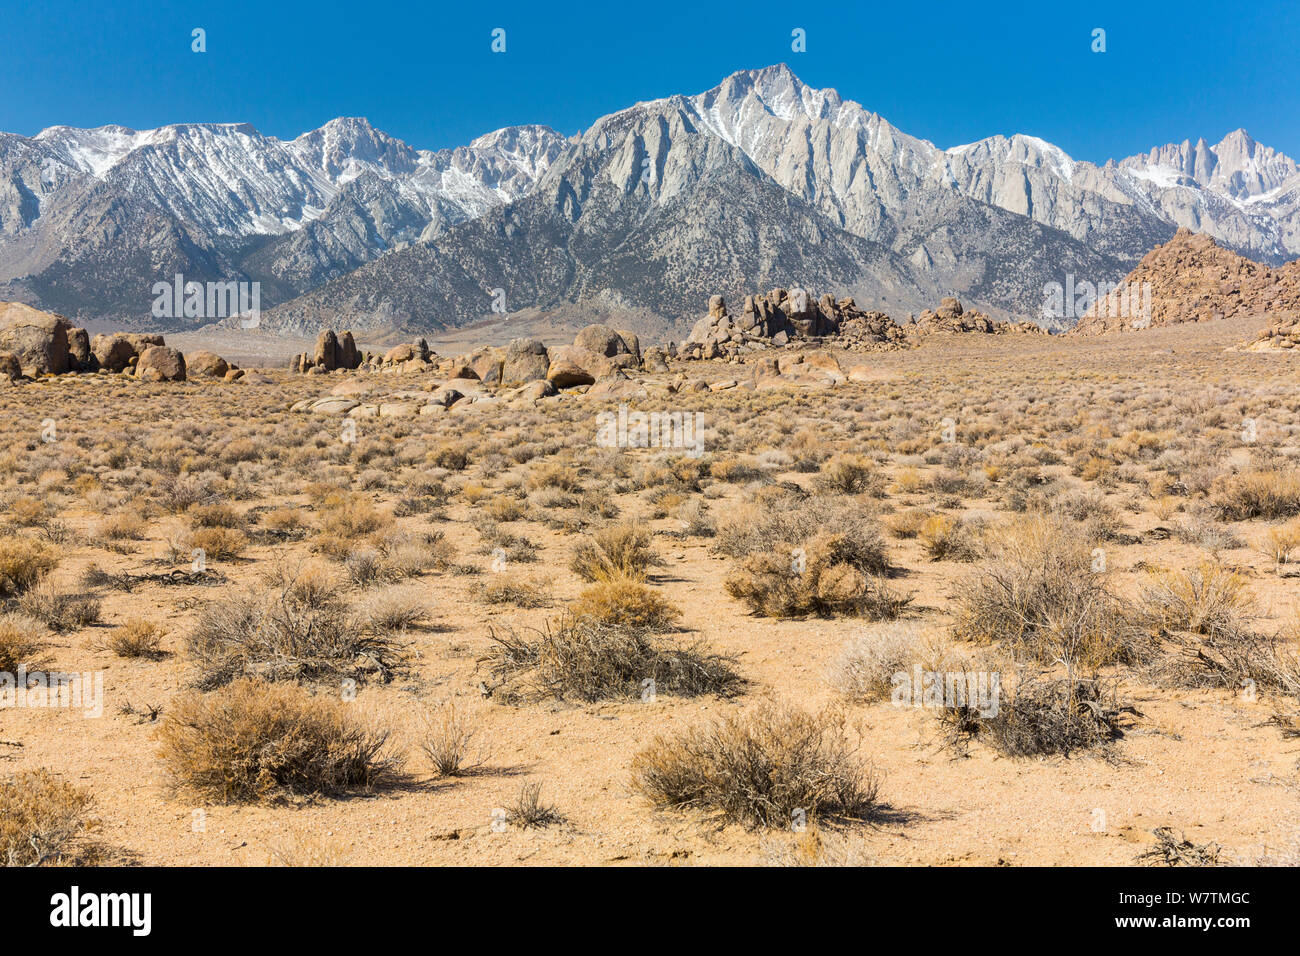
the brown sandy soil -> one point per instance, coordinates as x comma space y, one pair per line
1205, 760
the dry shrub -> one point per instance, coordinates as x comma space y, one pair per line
530, 812
866, 665
137, 638
851, 475
1258, 493
833, 573
59, 610
1174, 849
814, 847
217, 515
1041, 716
615, 551
584, 660
394, 609
783, 518
281, 635
43, 820
449, 739
1039, 593
23, 564
907, 524
760, 768
501, 589
257, 741
349, 517
22, 641
1280, 542
949, 539
1206, 599
623, 602
218, 543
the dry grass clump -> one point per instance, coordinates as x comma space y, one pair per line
946, 538
623, 602
59, 610
1041, 592
502, 589
450, 740
43, 820
1280, 543
581, 659
815, 847
1259, 493
866, 665
832, 573
765, 767
394, 609
253, 741
23, 564
286, 634
137, 638
782, 518
615, 551
22, 641
1207, 599
1042, 716
530, 812
218, 542
851, 475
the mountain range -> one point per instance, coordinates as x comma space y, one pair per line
762, 181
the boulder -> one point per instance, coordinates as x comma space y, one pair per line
347, 353
207, 364
158, 363
334, 405
487, 364
526, 360
399, 353
80, 358
39, 340
116, 351
10, 368
566, 373
327, 350
601, 340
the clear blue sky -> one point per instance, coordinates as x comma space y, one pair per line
424, 72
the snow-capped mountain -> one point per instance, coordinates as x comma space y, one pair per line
760, 180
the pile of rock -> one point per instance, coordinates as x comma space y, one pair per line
332, 352
1282, 334
1191, 279
768, 320
35, 343
951, 317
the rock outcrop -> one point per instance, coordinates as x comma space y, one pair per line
158, 363
38, 340
1192, 279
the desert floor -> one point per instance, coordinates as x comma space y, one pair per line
1209, 761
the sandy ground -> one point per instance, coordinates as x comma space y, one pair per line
1203, 762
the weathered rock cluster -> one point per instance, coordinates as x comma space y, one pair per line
1282, 334
768, 320
783, 318
332, 352
35, 343
596, 364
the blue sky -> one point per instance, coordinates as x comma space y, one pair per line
948, 72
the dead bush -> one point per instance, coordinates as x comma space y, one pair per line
765, 767
1258, 493
449, 739
44, 820
1043, 592
60, 610
23, 563
252, 740
832, 573
615, 551
623, 602
22, 642
585, 660
137, 638
280, 636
